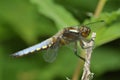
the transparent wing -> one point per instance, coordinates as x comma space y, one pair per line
50, 55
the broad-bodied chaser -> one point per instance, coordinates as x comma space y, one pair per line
63, 37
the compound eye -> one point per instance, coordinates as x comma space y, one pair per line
84, 34
85, 31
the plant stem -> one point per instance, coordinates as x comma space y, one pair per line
77, 70
97, 12
99, 7
87, 75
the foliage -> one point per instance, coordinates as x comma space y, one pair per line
26, 22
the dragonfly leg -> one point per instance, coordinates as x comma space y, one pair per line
76, 52
83, 43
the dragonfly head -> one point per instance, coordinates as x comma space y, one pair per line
84, 31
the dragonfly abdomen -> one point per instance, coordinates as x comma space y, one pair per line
41, 46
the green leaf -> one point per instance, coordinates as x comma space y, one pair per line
105, 59
110, 17
23, 20
55, 12
109, 34
107, 31
19, 16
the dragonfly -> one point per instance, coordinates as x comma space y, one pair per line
63, 37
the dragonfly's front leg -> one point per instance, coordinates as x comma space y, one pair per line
76, 51
84, 42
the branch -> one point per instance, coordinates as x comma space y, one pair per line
87, 75
99, 8
78, 70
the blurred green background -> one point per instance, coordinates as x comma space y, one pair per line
27, 22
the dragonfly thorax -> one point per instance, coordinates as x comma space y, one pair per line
72, 34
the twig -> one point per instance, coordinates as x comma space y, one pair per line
97, 12
99, 8
77, 70
87, 75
